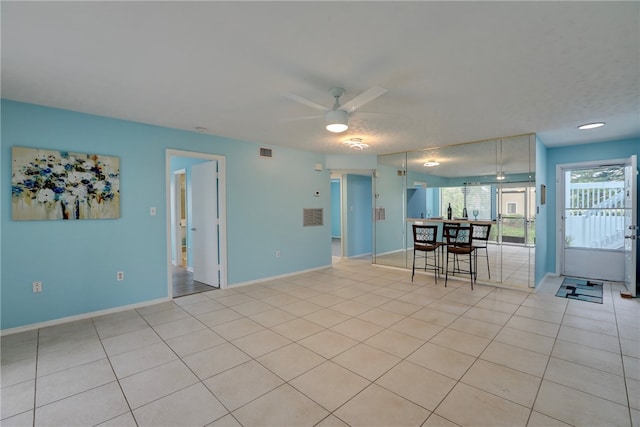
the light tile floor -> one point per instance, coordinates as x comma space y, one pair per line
509, 265
350, 345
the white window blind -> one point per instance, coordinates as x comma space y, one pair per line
474, 197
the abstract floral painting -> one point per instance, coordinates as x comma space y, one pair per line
50, 185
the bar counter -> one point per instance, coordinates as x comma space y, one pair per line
455, 220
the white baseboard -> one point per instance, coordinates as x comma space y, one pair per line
89, 315
392, 252
83, 316
280, 276
368, 254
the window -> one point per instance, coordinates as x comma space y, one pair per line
512, 208
594, 207
474, 197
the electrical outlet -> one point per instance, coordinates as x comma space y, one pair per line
37, 287
277, 254
120, 276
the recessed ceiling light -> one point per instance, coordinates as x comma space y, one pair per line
431, 163
594, 125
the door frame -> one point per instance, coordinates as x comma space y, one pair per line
333, 176
560, 194
222, 211
631, 252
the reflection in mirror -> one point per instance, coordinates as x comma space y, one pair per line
390, 210
490, 182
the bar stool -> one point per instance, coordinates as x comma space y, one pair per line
480, 234
460, 244
445, 226
425, 241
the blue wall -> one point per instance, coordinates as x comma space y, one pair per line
77, 261
576, 154
336, 222
416, 202
359, 215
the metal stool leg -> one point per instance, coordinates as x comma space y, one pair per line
413, 269
446, 271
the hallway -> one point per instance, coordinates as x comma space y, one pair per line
183, 283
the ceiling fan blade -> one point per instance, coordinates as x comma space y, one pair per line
299, 118
366, 96
305, 101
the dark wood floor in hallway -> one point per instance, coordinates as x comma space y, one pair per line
183, 283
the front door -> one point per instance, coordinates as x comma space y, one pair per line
204, 231
592, 220
630, 224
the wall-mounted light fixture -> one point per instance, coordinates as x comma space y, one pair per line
431, 163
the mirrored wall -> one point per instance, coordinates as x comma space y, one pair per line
491, 182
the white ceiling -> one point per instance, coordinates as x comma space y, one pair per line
455, 71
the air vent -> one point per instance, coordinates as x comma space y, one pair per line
266, 152
380, 214
311, 217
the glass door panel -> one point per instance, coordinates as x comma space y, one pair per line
513, 208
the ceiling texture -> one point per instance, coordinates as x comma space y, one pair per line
454, 71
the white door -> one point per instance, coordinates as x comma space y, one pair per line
204, 230
592, 244
630, 224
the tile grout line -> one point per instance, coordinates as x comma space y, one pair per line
555, 340
330, 413
478, 358
392, 284
35, 379
201, 381
114, 374
624, 376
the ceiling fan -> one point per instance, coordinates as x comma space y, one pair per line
337, 117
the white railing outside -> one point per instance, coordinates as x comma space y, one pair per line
594, 215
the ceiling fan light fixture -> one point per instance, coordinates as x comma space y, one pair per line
593, 125
431, 163
356, 144
336, 121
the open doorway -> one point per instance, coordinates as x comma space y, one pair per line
336, 216
180, 182
516, 206
352, 214
196, 222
